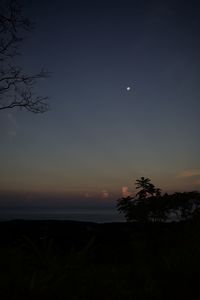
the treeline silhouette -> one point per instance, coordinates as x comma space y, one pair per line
149, 205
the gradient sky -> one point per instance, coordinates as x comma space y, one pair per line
99, 137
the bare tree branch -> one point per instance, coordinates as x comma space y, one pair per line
16, 86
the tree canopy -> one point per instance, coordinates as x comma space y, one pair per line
149, 205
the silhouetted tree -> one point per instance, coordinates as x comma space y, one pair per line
146, 188
184, 206
148, 205
16, 86
145, 206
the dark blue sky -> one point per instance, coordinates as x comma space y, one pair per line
99, 137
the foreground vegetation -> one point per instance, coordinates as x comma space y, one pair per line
74, 260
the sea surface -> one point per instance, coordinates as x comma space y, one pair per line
86, 215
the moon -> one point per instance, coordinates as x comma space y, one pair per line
128, 88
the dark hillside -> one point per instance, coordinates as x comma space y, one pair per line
77, 260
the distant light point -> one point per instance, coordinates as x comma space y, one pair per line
128, 88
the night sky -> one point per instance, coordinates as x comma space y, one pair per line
99, 136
